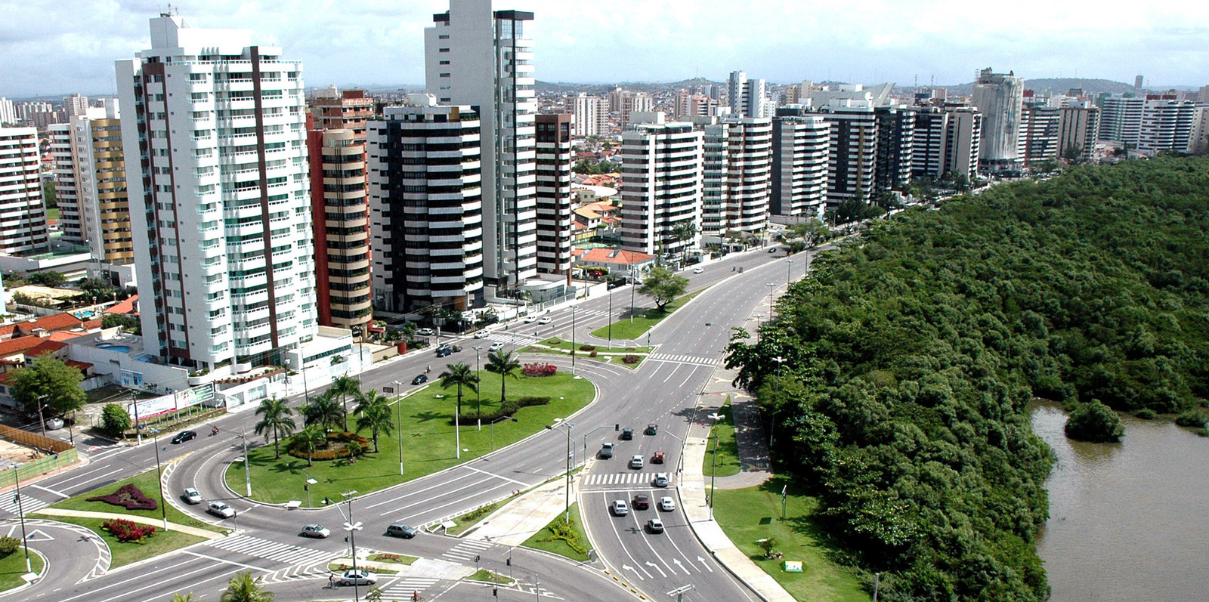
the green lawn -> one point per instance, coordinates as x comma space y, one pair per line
626, 330
148, 483
127, 553
566, 345
488, 577
13, 566
52, 213
428, 441
727, 449
559, 546
395, 558
747, 515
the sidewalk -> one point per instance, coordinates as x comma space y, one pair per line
523, 517
155, 522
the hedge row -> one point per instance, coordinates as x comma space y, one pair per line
508, 408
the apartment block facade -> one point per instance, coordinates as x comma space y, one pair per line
215, 147
554, 193
661, 185
340, 226
895, 147
852, 150
736, 175
1000, 99
800, 154
1041, 134
591, 115
22, 211
1079, 128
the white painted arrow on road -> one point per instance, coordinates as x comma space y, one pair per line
679, 564
656, 567
627, 567
704, 563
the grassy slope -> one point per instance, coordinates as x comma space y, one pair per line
727, 449
559, 546
625, 330
428, 441
747, 515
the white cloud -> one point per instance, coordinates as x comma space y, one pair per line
52, 47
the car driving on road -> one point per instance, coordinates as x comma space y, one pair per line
221, 510
657, 458
419, 379
652, 429
424, 332
619, 508
193, 496
358, 577
315, 530
545, 320
667, 504
184, 436
482, 334
606, 450
655, 525
636, 461
495, 347
661, 479
642, 501
627, 434
401, 530
698, 270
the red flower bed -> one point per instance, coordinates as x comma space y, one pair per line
129, 497
128, 531
536, 369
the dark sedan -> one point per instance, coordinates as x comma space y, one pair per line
184, 436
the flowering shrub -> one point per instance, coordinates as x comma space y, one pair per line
587, 347
536, 369
128, 531
129, 497
630, 359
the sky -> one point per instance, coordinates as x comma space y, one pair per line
51, 47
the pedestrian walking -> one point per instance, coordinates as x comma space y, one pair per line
331, 581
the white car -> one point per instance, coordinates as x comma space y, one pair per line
495, 347
619, 508
529, 320
667, 504
482, 334
636, 461
358, 577
317, 531
661, 479
193, 496
698, 270
425, 332
545, 320
221, 510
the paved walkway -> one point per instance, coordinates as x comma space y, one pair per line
524, 516
749, 435
155, 522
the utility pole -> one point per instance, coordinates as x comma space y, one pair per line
159, 474
573, 307
247, 475
137, 433
21, 514
398, 424
633, 287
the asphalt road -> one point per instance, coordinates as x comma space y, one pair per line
662, 390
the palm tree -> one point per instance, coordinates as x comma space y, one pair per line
323, 410
277, 419
374, 413
503, 364
243, 588
462, 376
189, 597
309, 439
344, 386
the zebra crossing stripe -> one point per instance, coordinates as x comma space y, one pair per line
28, 503
404, 587
467, 550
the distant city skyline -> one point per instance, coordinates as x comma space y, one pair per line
52, 51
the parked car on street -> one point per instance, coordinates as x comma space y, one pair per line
401, 530
482, 334
529, 319
315, 530
193, 496
184, 436
698, 270
221, 510
619, 508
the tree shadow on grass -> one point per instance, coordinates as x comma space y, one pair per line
429, 416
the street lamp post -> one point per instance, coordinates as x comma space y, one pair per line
41, 419
610, 319
573, 308
351, 528
159, 474
399, 424
478, 389
138, 434
247, 475
771, 289
633, 287
789, 277
713, 478
21, 515
569, 426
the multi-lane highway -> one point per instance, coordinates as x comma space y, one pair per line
662, 390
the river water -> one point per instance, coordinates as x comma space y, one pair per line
1128, 521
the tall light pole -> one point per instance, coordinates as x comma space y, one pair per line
159, 474
573, 307
771, 289
351, 528
247, 474
478, 389
21, 515
610, 319
713, 478
633, 287
569, 426
399, 423
789, 277
137, 433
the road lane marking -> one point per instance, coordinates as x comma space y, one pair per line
224, 561
428, 499
642, 536
60, 484
690, 376
491, 474
433, 486
458, 501
672, 373
605, 497
704, 563
656, 567
142, 576
51, 491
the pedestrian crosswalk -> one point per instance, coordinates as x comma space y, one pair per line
403, 589
683, 359
621, 478
29, 503
512, 339
297, 573
270, 550
466, 551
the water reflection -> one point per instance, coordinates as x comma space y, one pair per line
1128, 521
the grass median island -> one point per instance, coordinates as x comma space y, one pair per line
13, 566
128, 552
554, 537
727, 449
428, 440
489, 577
624, 329
748, 515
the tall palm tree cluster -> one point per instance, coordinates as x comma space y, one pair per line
325, 413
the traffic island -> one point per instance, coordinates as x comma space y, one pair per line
563, 538
12, 567
427, 439
631, 329
183, 530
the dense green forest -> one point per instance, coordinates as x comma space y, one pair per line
908, 361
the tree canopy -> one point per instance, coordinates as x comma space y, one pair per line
911, 355
663, 286
50, 378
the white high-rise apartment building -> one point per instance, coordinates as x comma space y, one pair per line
737, 175
1000, 99
591, 115
1166, 124
75, 105
748, 97
8, 112
661, 180
800, 151
852, 152
1079, 129
1121, 119
215, 145
1198, 142
946, 141
425, 195
1041, 134
477, 56
90, 178
22, 212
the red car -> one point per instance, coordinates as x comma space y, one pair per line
642, 501
657, 458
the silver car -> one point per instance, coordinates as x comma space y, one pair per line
619, 508
636, 461
193, 496
315, 530
358, 577
221, 510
